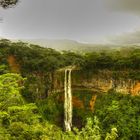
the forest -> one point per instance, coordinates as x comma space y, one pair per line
29, 110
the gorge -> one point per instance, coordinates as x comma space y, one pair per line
94, 95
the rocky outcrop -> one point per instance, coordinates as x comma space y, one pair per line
101, 81
92, 102
14, 66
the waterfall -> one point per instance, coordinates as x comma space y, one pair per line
67, 101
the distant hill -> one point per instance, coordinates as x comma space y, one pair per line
70, 45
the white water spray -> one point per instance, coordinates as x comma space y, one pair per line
67, 101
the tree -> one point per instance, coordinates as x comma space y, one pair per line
120, 112
10, 90
8, 3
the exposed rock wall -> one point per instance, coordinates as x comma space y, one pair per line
14, 66
101, 81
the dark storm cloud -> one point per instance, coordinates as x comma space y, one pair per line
129, 38
125, 5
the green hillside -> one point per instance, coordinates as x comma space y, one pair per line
30, 108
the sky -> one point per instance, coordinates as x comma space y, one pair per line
90, 21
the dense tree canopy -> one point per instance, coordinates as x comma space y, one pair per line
20, 120
8, 3
115, 115
113, 60
120, 111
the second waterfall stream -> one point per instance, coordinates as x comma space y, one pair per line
67, 100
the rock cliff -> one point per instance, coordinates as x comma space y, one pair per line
101, 81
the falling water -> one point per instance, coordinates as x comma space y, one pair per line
68, 101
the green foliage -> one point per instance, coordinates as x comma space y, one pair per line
91, 130
33, 58
3, 69
38, 64
134, 75
10, 90
51, 109
113, 60
71, 58
113, 135
119, 111
36, 87
20, 120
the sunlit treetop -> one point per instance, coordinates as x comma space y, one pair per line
8, 3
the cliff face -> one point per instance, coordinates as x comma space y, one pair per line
14, 66
123, 86
101, 81
95, 83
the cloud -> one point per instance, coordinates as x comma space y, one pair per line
131, 38
1, 19
129, 6
125, 5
